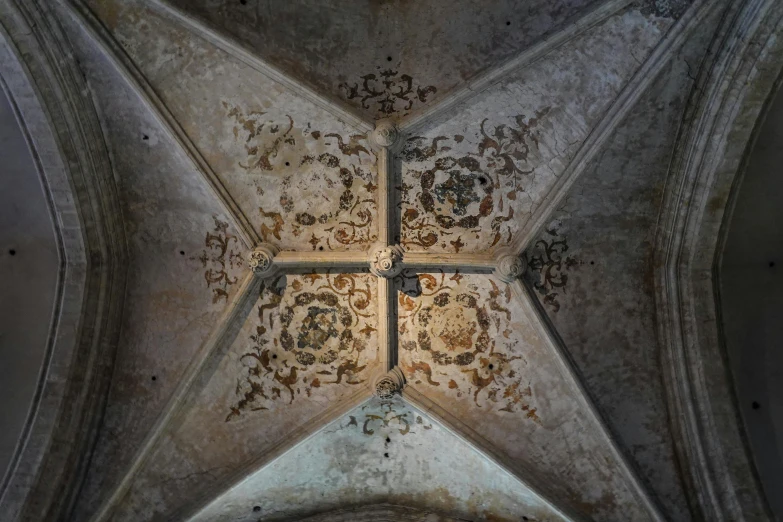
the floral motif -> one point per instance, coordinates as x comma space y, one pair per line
462, 187
312, 331
220, 258
389, 91
457, 334
297, 159
548, 267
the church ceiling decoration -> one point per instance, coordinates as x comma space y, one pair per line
378, 255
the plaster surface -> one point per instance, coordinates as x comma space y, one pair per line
472, 181
443, 44
592, 268
304, 179
184, 262
382, 451
308, 344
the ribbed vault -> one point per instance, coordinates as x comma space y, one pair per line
393, 261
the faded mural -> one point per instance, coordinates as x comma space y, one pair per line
311, 331
314, 189
455, 332
461, 191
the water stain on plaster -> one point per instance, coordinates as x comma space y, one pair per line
456, 333
312, 331
457, 192
316, 185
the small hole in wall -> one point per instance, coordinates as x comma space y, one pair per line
274, 356
182, 252
772, 264
386, 455
243, 2
388, 58
509, 23
756, 405
388, 439
482, 180
491, 366
12, 252
145, 137
154, 378
256, 509
592, 262
525, 518
287, 163
320, 248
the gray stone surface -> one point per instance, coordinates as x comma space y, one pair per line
30, 262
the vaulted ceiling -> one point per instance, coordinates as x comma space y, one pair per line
393, 260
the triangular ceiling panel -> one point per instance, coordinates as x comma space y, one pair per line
385, 58
471, 182
482, 355
381, 452
309, 347
599, 243
304, 179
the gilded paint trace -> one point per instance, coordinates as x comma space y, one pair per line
311, 331
314, 188
462, 191
456, 333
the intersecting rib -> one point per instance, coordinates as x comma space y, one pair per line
466, 262
530, 306
623, 104
290, 260
136, 80
221, 336
429, 114
461, 430
239, 51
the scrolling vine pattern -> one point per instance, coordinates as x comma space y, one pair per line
326, 181
389, 91
455, 331
311, 331
470, 188
221, 259
548, 266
